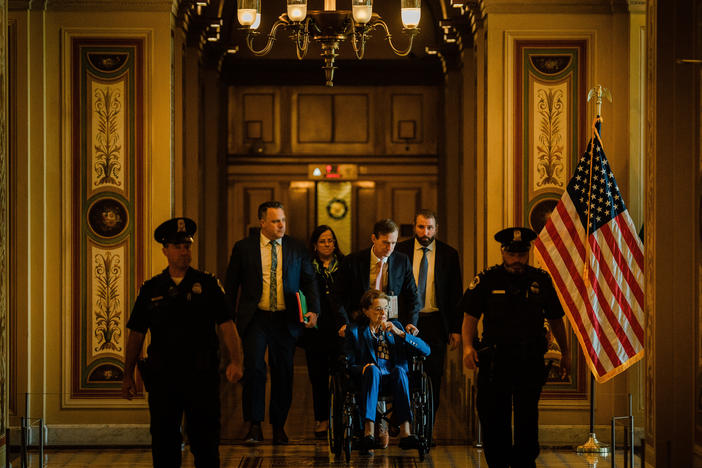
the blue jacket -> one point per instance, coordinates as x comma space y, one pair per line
359, 349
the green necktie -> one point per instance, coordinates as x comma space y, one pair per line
273, 296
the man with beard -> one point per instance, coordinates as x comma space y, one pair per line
514, 299
437, 273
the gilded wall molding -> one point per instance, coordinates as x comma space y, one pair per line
4, 208
650, 223
95, 5
555, 6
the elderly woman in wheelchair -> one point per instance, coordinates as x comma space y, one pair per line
377, 351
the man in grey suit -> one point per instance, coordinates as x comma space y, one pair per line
265, 272
437, 271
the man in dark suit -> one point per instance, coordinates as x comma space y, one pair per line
437, 270
378, 267
265, 271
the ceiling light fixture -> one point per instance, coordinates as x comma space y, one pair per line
329, 27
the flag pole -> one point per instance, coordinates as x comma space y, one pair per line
592, 445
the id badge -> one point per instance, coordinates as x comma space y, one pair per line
393, 308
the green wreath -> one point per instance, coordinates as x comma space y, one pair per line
337, 208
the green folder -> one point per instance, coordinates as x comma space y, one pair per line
302, 307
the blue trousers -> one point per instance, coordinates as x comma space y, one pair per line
374, 380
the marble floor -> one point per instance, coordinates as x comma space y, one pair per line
312, 455
451, 432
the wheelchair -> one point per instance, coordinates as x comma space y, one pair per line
345, 422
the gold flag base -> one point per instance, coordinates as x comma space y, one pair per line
593, 446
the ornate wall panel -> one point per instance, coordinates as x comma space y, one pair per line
550, 122
107, 194
335, 209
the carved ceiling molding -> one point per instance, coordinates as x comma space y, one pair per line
556, 6
94, 5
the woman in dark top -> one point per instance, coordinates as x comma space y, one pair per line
321, 344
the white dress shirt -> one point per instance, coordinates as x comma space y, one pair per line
430, 304
264, 303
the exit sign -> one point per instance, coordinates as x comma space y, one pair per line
332, 171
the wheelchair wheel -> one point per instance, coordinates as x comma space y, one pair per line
423, 414
335, 432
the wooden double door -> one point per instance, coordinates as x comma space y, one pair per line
394, 191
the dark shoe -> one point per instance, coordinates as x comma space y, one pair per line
367, 443
255, 434
279, 436
409, 442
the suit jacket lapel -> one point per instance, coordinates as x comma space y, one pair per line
391, 269
286, 257
256, 252
368, 338
364, 265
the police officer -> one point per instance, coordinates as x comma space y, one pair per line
514, 299
181, 307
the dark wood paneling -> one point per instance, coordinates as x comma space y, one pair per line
253, 197
315, 118
365, 216
351, 119
405, 202
299, 210
259, 109
407, 108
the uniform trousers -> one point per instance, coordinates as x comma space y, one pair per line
269, 330
510, 377
197, 398
432, 331
377, 380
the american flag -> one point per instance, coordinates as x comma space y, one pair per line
590, 247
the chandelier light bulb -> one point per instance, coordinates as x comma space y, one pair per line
362, 14
297, 10
246, 16
411, 11
246, 11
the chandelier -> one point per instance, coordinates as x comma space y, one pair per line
329, 27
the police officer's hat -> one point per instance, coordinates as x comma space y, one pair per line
515, 239
175, 231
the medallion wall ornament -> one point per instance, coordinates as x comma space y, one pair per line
549, 126
107, 103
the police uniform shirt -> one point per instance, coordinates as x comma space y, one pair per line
182, 319
514, 305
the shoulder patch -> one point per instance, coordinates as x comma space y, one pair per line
474, 283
